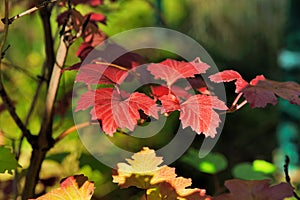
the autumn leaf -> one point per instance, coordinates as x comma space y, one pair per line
158, 91
86, 100
172, 70
260, 91
97, 17
255, 190
74, 187
198, 112
227, 76
117, 110
7, 160
144, 171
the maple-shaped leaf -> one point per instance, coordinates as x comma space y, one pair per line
100, 74
161, 182
172, 70
143, 165
260, 91
117, 110
198, 113
255, 190
7, 160
74, 187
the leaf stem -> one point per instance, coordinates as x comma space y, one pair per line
235, 106
113, 65
236, 99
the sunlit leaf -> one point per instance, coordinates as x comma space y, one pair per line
160, 182
74, 187
263, 166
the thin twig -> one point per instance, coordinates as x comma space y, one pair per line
72, 129
26, 12
24, 71
287, 177
6, 100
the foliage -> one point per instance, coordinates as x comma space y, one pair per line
120, 112
73, 187
160, 182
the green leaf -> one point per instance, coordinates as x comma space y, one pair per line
245, 171
211, 164
263, 166
7, 161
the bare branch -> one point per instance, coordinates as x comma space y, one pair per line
26, 12
6, 100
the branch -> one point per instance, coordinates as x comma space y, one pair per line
45, 14
6, 100
53, 88
26, 12
287, 177
45, 139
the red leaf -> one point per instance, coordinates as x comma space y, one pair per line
170, 103
172, 70
227, 76
86, 100
97, 17
160, 90
198, 113
115, 112
255, 189
100, 74
262, 91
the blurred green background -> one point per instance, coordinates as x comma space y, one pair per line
243, 35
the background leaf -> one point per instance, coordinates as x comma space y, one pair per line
7, 161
